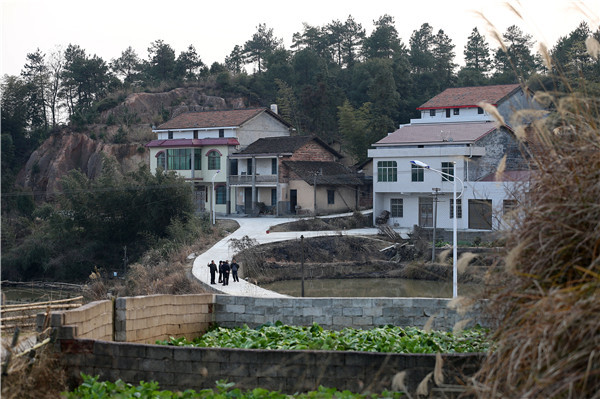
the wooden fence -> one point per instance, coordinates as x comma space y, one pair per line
23, 315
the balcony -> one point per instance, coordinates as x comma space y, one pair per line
246, 180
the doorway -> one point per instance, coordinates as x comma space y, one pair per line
248, 200
425, 212
293, 200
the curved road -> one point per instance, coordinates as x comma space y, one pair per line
256, 228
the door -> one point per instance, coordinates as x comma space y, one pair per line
248, 200
200, 198
425, 212
480, 214
293, 200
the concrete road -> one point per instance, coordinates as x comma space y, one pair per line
256, 228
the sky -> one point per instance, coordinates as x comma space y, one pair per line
106, 28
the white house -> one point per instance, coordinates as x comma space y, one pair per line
458, 138
197, 144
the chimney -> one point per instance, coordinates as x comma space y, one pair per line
274, 108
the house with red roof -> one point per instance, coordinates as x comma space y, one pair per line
196, 145
414, 167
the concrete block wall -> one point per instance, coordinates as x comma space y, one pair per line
146, 319
338, 313
180, 368
92, 321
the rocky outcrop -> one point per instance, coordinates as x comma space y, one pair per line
65, 151
155, 108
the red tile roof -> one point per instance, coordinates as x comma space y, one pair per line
216, 119
429, 133
192, 142
462, 97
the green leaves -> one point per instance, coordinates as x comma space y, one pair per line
92, 389
381, 339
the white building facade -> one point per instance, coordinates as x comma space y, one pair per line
457, 137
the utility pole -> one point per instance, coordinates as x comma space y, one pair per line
436, 191
302, 261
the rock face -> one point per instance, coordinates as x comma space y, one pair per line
155, 108
68, 150
65, 151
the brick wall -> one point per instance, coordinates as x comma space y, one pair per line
338, 313
179, 368
145, 319
312, 151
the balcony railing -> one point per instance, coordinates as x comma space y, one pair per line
247, 179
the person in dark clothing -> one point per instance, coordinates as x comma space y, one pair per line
220, 271
234, 270
226, 270
213, 271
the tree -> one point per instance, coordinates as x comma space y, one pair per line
514, 59
352, 36
235, 60
354, 127
55, 68
189, 66
262, 44
312, 38
36, 76
443, 54
161, 62
421, 43
127, 66
384, 41
571, 58
477, 53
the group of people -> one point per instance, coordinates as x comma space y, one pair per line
223, 269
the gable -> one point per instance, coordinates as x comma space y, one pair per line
462, 97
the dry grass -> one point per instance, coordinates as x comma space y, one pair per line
548, 340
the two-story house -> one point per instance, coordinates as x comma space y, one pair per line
196, 146
296, 174
457, 137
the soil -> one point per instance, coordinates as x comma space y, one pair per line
354, 257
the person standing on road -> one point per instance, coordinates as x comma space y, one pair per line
234, 270
213, 271
226, 270
220, 271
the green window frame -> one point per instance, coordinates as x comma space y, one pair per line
417, 173
221, 192
214, 160
448, 167
397, 207
161, 160
197, 159
179, 159
387, 171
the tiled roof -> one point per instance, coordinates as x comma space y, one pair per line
193, 142
216, 119
435, 133
469, 96
284, 144
332, 173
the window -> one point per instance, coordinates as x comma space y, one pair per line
195, 134
508, 205
273, 166
234, 167
432, 112
179, 159
458, 208
197, 159
479, 110
397, 207
221, 192
447, 112
387, 171
161, 160
330, 197
221, 132
480, 214
249, 166
456, 111
214, 160
417, 173
170, 135
448, 168
273, 196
